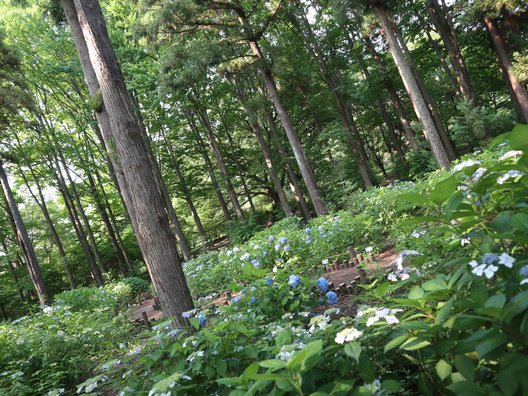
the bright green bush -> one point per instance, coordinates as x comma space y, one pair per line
451, 320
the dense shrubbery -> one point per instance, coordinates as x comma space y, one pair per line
451, 320
55, 347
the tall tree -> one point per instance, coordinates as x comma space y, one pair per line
151, 225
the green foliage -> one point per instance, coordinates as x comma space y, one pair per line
240, 232
450, 320
55, 347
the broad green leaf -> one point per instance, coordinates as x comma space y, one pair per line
273, 363
443, 312
390, 386
443, 190
395, 342
416, 293
353, 349
306, 358
493, 342
465, 366
520, 221
518, 137
414, 343
443, 369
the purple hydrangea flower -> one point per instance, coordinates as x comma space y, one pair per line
271, 238
283, 240
287, 248
186, 314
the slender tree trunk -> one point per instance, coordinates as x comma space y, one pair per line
334, 83
518, 93
257, 131
151, 225
293, 138
433, 109
292, 176
208, 165
417, 99
12, 271
217, 151
185, 190
24, 241
395, 98
443, 25
82, 214
239, 168
41, 202
76, 223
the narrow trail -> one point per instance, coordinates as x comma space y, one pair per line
342, 280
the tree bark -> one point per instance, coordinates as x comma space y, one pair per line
41, 202
257, 131
518, 93
293, 138
24, 241
151, 225
444, 27
419, 104
217, 151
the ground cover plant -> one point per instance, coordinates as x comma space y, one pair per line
450, 319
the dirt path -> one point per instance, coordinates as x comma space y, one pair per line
342, 279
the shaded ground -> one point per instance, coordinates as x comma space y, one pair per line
343, 281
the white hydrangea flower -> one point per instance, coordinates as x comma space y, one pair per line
506, 260
347, 335
509, 175
465, 164
510, 154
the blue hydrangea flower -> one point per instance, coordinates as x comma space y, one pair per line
331, 297
236, 299
202, 320
294, 280
277, 247
283, 240
308, 239
308, 230
186, 315
287, 248
255, 263
322, 284
322, 234
252, 300
524, 271
271, 238
269, 281
264, 253
489, 258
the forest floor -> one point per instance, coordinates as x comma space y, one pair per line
347, 277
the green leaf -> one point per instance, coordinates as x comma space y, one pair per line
306, 358
414, 198
390, 386
519, 221
496, 301
443, 369
515, 306
353, 349
395, 342
490, 344
273, 363
443, 312
465, 366
415, 343
249, 372
416, 293
443, 190
518, 137
436, 284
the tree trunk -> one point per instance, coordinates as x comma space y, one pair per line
185, 190
12, 271
433, 109
41, 202
518, 93
208, 165
77, 226
217, 151
293, 138
151, 225
24, 241
257, 131
395, 98
294, 180
411, 85
443, 25
342, 106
